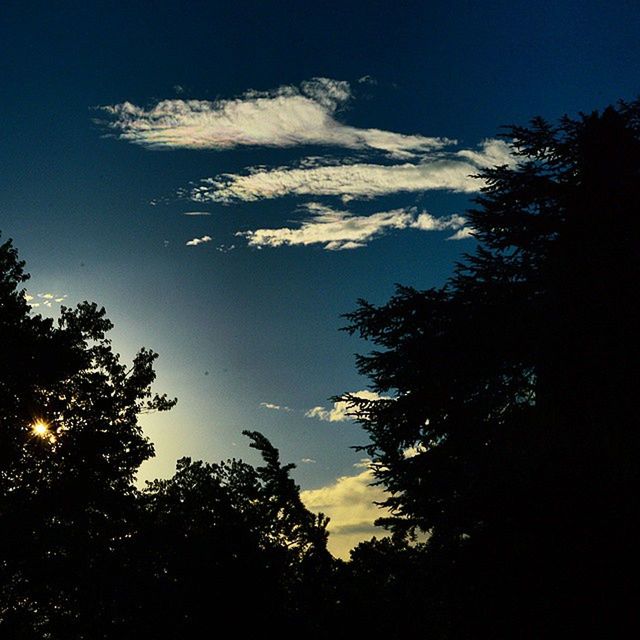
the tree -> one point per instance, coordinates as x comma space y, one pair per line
229, 541
84, 554
70, 447
511, 435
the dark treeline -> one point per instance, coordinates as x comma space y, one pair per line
509, 443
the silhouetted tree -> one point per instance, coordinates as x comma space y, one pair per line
70, 445
229, 542
511, 436
84, 554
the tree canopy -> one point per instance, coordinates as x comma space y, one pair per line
85, 553
510, 436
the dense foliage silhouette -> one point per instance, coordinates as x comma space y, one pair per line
86, 554
66, 492
511, 437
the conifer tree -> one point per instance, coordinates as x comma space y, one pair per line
511, 437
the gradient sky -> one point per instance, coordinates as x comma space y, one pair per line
326, 149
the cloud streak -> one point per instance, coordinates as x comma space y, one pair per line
284, 117
442, 171
275, 407
340, 230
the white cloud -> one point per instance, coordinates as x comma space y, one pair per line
341, 410
284, 117
339, 230
196, 213
349, 503
275, 407
308, 461
462, 234
196, 241
442, 171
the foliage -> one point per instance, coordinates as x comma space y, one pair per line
232, 537
67, 493
514, 383
83, 552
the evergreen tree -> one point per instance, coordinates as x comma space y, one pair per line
511, 438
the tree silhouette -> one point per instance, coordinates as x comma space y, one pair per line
84, 554
511, 437
229, 541
70, 447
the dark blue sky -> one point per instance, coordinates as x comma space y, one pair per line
97, 217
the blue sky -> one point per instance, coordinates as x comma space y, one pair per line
326, 149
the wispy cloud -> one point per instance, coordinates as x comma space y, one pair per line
196, 241
196, 213
340, 230
275, 407
284, 117
349, 502
462, 234
308, 461
451, 171
341, 410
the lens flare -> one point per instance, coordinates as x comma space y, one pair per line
41, 429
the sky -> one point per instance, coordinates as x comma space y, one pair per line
229, 178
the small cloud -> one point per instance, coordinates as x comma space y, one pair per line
462, 234
196, 213
342, 410
367, 80
308, 461
275, 407
196, 241
223, 248
178, 88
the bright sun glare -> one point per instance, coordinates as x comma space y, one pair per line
41, 428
